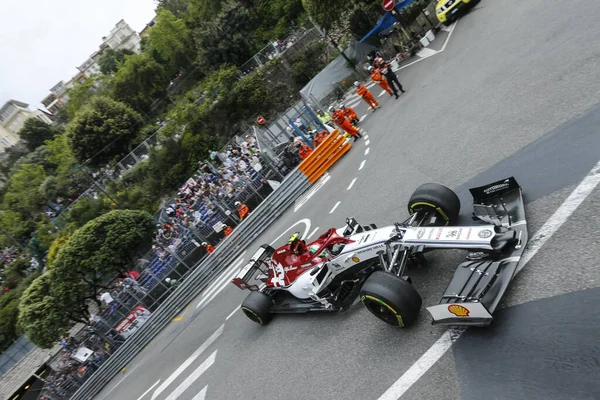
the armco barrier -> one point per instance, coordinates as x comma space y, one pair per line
331, 149
226, 252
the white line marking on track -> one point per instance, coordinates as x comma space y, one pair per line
363, 118
366, 136
320, 183
188, 362
304, 221
422, 365
233, 312
367, 150
362, 164
202, 394
560, 216
312, 233
439, 348
149, 389
367, 142
425, 52
382, 93
334, 207
351, 184
193, 377
216, 286
442, 49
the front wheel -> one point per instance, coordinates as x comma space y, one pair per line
391, 299
257, 307
437, 199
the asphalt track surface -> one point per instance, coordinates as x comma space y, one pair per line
516, 92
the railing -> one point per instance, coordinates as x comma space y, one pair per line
198, 279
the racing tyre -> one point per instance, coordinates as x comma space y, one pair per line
257, 307
437, 198
391, 299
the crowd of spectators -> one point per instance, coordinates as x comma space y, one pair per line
70, 369
203, 199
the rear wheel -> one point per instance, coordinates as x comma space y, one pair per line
257, 307
391, 299
439, 199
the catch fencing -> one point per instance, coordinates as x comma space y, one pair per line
198, 279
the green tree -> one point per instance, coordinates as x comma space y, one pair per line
35, 132
228, 39
171, 38
67, 180
140, 82
16, 225
176, 7
83, 93
22, 194
102, 130
9, 311
326, 13
110, 61
41, 317
97, 252
36, 157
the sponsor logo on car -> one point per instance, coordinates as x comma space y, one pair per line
421, 233
280, 251
495, 188
485, 233
355, 259
458, 310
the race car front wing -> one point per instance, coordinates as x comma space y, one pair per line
479, 283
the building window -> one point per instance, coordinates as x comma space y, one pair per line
7, 112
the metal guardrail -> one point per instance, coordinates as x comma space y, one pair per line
258, 221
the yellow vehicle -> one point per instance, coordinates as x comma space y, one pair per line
448, 11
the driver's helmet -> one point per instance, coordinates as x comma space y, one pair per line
297, 245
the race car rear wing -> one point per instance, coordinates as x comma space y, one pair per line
244, 278
479, 283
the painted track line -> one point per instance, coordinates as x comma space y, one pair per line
334, 207
439, 348
149, 390
367, 142
367, 151
233, 312
232, 270
188, 362
366, 136
202, 394
351, 184
362, 164
193, 377
437, 52
312, 233
361, 119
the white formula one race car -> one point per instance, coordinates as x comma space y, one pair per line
328, 274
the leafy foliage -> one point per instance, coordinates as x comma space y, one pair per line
83, 93
140, 82
308, 62
171, 38
102, 130
227, 39
41, 316
111, 60
22, 194
35, 132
